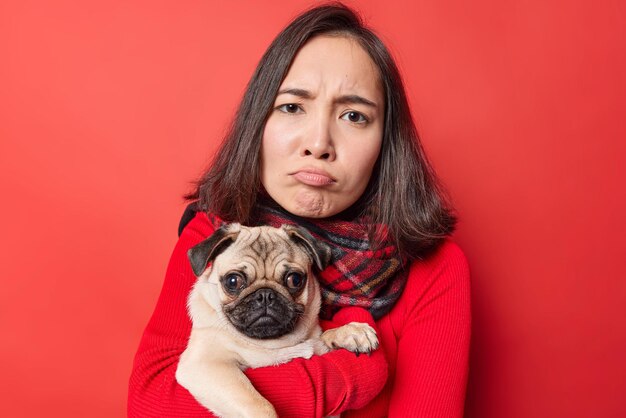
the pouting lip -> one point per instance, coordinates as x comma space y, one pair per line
313, 176
313, 170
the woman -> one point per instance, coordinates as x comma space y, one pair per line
324, 138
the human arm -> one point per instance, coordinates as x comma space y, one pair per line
322, 385
426, 341
433, 345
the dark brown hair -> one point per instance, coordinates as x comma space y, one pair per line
403, 193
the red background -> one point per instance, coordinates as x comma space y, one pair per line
108, 109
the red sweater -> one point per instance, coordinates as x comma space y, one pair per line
420, 370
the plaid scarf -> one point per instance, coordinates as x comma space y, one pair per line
357, 275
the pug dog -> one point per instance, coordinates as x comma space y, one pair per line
256, 305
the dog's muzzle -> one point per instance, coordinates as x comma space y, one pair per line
264, 314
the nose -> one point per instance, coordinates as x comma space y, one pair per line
318, 141
265, 297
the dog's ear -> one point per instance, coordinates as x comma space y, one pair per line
206, 251
319, 251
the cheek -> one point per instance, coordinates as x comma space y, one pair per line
278, 139
363, 159
277, 143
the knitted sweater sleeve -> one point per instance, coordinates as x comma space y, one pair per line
433, 344
426, 340
321, 386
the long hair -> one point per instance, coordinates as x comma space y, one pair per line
403, 192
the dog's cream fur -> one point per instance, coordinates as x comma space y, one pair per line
211, 367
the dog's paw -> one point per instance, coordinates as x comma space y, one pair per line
357, 337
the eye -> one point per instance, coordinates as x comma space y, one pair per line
294, 281
289, 108
233, 282
354, 117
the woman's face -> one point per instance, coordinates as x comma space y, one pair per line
324, 134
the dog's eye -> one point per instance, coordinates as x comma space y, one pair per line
294, 281
233, 283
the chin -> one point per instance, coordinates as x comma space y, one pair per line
310, 212
311, 204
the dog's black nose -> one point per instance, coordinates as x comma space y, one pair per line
265, 297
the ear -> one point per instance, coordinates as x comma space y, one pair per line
319, 251
206, 251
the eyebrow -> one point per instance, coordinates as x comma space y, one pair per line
345, 99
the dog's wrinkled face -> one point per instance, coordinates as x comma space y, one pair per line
261, 278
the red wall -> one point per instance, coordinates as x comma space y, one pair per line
108, 109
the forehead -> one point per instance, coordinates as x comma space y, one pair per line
263, 240
335, 62
264, 251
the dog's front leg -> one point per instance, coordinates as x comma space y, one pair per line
223, 389
305, 349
